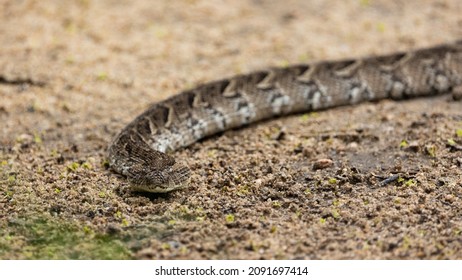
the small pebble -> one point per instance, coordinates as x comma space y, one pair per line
322, 163
413, 147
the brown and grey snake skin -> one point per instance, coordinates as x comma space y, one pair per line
139, 151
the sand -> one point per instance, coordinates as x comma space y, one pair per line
74, 73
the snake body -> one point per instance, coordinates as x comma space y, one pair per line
140, 150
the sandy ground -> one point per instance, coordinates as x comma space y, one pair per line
73, 73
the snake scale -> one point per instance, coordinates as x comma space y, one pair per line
141, 151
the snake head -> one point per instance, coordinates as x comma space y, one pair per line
164, 180
170, 178
146, 169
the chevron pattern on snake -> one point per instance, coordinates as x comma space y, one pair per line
140, 150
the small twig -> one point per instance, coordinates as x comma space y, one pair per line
389, 180
19, 81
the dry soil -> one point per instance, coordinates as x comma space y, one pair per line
74, 73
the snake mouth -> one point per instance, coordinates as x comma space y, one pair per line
157, 189
173, 178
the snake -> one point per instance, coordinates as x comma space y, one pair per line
143, 151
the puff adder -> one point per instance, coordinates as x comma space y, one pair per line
139, 150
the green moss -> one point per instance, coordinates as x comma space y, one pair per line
459, 132
11, 180
184, 213
229, 218
306, 117
381, 27
40, 170
37, 138
403, 144
284, 63
243, 190
304, 57
410, 183
73, 167
332, 181
276, 204
9, 194
335, 214
87, 230
44, 238
101, 76
184, 250
86, 165
273, 229
297, 214
431, 150
118, 215
124, 222
406, 243
212, 153
335, 202
69, 60
451, 142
